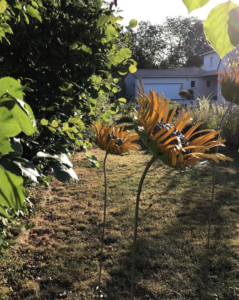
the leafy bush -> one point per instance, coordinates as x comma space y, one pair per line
211, 116
66, 54
184, 94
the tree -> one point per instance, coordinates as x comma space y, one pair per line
65, 58
147, 45
178, 42
185, 41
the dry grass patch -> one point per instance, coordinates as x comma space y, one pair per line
59, 258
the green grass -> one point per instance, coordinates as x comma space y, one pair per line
58, 258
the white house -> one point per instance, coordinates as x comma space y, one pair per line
203, 81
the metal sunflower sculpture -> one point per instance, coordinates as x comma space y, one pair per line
230, 84
167, 143
113, 141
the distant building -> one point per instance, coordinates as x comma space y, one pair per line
203, 81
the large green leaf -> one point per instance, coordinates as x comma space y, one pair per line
5, 146
105, 116
16, 147
12, 87
102, 20
12, 192
110, 32
23, 115
121, 55
3, 6
194, 4
132, 69
62, 173
61, 157
233, 26
216, 28
8, 125
27, 168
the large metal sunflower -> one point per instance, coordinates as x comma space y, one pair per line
230, 84
165, 140
114, 140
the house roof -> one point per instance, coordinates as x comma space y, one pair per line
208, 52
209, 73
174, 72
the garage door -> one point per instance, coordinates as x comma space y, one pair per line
170, 90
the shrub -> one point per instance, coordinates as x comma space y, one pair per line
211, 116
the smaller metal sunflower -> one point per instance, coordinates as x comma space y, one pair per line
114, 140
230, 84
166, 141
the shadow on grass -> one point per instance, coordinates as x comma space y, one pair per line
60, 258
171, 259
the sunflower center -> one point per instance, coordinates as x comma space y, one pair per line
113, 137
160, 125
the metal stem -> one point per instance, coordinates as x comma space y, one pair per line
136, 224
104, 217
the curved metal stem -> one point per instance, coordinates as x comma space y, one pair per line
136, 224
211, 207
103, 232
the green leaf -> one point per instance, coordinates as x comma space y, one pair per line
121, 55
65, 160
133, 23
233, 26
6, 28
92, 159
113, 109
8, 125
73, 46
132, 69
62, 173
66, 85
65, 126
123, 70
216, 28
86, 49
5, 146
27, 168
122, 100
54, 123
110, 32
12, 87
44, 122
102, 20
105, 116
96, 79
23, 115
97, 3
8, 165
194, 4
33, 12
16, 147
12, 192
3, 6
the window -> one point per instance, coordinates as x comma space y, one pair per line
209, 83
192, 83
211, 58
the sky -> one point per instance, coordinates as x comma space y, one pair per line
156, 11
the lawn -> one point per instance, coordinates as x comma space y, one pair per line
59, 257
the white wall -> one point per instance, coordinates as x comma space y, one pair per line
211, 61
199, 89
